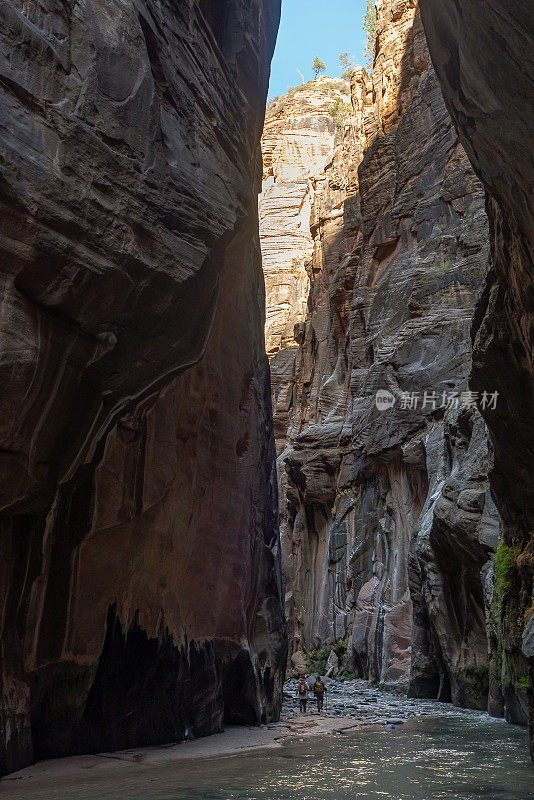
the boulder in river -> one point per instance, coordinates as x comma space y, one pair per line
332, 665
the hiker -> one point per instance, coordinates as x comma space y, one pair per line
319, 690
302, 693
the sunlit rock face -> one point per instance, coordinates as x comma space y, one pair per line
139, 563
297, 142
386, 519
487, 82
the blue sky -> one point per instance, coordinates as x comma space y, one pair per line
311, 28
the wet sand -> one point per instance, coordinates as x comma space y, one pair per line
234, 740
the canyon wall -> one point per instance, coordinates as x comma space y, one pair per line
297, 141
140, 591
488, 84
387, 522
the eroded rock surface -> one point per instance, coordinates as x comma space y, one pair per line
140, 591
297, 141
386, 518
488, 82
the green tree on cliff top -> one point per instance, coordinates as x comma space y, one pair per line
317, 66
369, 27
347, 65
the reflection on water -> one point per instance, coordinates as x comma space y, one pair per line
464, 759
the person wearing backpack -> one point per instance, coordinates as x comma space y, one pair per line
319, 690
302, 693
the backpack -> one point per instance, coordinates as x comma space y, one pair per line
318, 687
303, 688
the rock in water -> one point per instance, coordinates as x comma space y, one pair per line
139, 557
332, 665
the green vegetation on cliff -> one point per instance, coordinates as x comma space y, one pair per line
505, 558
317, 67
476, 681
340, 113
330, 88
347, 65
316, 659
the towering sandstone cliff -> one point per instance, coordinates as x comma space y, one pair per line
139, 585
488, 84
387, 522
297, 141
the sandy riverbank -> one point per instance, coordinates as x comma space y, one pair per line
233, 741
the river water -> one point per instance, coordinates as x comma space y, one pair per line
463, 757
436, 759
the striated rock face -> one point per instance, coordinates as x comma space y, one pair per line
487, 82
450, 571
297, 141
139, 581
386, 519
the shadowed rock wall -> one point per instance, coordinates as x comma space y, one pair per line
139, 561
488, 84
386, 519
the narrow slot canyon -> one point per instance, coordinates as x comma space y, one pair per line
268, 393
401, 251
